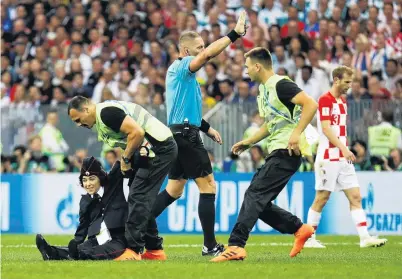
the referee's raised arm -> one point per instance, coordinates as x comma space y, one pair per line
218, 46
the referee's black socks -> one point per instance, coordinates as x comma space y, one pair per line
163, 200
206, 212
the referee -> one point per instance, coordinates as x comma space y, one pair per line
184, 108
287, 111
132, 128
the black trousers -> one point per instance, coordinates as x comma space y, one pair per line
141, 229
91, 250
265, 186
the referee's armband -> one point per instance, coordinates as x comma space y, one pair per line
233, 36
204, 126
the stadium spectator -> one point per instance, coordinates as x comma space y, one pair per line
53, 143
384, 137
376, 90
363, 162
283, 61
242, 95
398, 91
74, 163
226, 89
358, 92
216, 166
257, 157
213, 87
111, 157
308, 82
34, 160
16, 159
392, 74
395, 160
49, 45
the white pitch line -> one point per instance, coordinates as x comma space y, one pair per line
199, 245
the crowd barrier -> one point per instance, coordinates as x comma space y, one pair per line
49, 204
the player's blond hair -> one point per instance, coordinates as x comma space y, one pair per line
340, 71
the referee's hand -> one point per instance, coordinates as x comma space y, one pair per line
214, 135
241, 27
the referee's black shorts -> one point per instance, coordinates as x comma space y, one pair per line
192, 161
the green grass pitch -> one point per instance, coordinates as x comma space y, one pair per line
268, 257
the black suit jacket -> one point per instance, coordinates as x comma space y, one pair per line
112, 208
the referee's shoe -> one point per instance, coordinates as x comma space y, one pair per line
216, 251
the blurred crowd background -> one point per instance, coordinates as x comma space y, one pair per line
54, 50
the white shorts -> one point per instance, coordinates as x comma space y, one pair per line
335, 176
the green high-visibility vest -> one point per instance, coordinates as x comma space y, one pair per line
155, 131
279, 120
56, 157
382, 139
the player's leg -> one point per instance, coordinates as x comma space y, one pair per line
326, 175
314, 217
49, 252
350, 185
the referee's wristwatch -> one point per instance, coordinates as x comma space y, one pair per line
126, 160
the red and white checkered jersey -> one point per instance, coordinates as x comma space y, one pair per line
395, 46
334, 110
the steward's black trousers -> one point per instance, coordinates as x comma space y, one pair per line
141, 228
265, 186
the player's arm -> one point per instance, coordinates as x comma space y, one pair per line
309, 108
327, 131
218, 46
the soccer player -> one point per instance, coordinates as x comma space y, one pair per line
287, 111
184, 108
103, 214
132, 128
333, 167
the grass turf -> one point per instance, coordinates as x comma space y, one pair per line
268, 257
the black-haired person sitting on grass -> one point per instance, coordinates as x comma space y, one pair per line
102, 217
